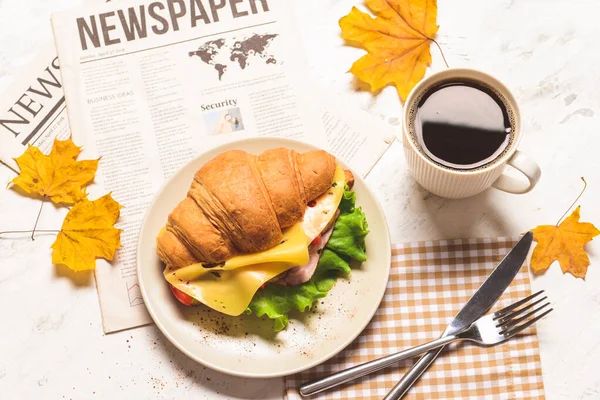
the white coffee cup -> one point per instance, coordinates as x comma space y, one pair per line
456, 183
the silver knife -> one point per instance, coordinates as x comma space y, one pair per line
483, 299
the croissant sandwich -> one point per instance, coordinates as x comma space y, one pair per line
263, 234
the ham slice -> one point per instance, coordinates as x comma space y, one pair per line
303, 273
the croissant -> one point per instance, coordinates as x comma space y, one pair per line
240, 203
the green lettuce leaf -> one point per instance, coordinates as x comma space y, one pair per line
347, 242
276, 301
348, 201
348, 237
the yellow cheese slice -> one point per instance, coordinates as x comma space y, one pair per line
231, 291
317, 218
293, 249
229, 288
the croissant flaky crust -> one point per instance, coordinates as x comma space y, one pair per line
240, 203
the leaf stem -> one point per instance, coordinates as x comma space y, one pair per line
574, 201
37, 230
440, 48
38, 218
9, 167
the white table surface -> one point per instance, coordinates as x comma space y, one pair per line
546, 52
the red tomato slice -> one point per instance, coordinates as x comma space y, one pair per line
183, 298
316, 241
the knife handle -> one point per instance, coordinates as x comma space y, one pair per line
413, 374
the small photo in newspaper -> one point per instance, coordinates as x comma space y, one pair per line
224, 121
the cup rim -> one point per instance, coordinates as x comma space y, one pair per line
467, 73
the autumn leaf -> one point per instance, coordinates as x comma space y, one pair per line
397, 42
57, 175
88, 232
564, 243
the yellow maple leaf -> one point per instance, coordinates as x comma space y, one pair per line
57, 175
563, 243
397, 42
88, 232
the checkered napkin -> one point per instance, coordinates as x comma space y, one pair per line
429, 283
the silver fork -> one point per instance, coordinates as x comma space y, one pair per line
488, 330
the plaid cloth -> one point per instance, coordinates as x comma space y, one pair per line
429, 283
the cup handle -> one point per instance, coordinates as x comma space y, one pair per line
527, 167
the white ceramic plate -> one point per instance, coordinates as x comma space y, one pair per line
246, 345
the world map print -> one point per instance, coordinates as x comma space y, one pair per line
220, 53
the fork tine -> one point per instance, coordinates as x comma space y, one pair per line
508, 309
514, 331
506, 318
513, 323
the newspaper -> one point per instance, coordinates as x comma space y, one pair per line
32, 109
151, 84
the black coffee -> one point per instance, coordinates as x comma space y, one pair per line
462, 124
